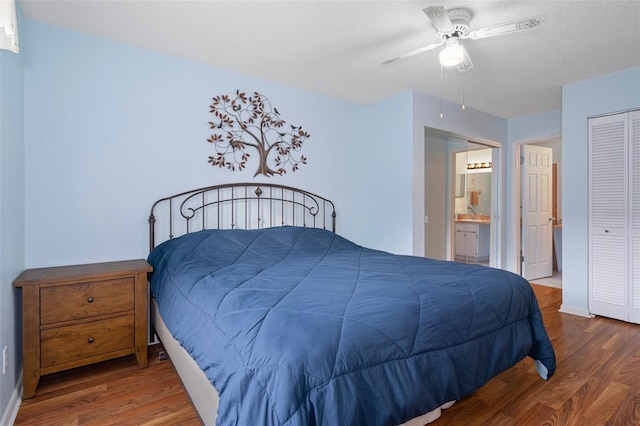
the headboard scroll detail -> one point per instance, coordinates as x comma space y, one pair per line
238, 205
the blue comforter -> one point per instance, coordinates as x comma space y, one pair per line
299, 326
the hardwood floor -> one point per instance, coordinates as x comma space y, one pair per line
114, 392
597, 383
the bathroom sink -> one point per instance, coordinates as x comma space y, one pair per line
476, 218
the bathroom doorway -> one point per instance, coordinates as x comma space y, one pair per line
440, 194
553, 277
472, 209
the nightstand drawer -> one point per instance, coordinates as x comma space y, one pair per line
74, 342
76, 301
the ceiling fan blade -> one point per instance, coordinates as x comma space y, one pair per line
439, 17
412, 53
466, 63
507, 27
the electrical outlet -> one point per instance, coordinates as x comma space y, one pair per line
5, 359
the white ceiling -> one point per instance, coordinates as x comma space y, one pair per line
336, 47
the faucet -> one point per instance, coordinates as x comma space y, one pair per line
469, 208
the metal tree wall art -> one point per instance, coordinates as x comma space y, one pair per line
250, 123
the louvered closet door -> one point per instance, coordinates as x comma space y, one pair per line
608, 217
634, 287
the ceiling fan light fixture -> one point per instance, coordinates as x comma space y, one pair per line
452, 54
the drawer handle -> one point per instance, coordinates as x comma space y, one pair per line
90, 300
90, 340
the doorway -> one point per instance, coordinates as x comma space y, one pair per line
472, 208
449, 188
539, 217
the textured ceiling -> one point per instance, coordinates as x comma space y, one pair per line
336, 47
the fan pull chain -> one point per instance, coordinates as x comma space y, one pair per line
441, 91
463, 105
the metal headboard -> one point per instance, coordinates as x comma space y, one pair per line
239, 205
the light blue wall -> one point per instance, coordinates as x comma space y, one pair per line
110, 128
535, 127
11, 219
392, 174
473, 124
612, 92
385, 174
609, 93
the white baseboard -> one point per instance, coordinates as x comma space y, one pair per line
10, 414
566, 309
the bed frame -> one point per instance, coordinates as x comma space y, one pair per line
238, 205
228, 206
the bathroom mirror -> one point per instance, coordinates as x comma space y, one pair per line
460, 185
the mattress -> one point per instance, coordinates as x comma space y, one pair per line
300, 326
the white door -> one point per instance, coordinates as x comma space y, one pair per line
634, 287
537, 219
608, 218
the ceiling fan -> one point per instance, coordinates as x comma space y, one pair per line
453, 26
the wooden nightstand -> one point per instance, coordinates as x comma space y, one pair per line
81, 314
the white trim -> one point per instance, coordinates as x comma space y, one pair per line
566, 309
614, 113
497, 228
10, 414
515, 211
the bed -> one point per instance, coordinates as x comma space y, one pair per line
272, 318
